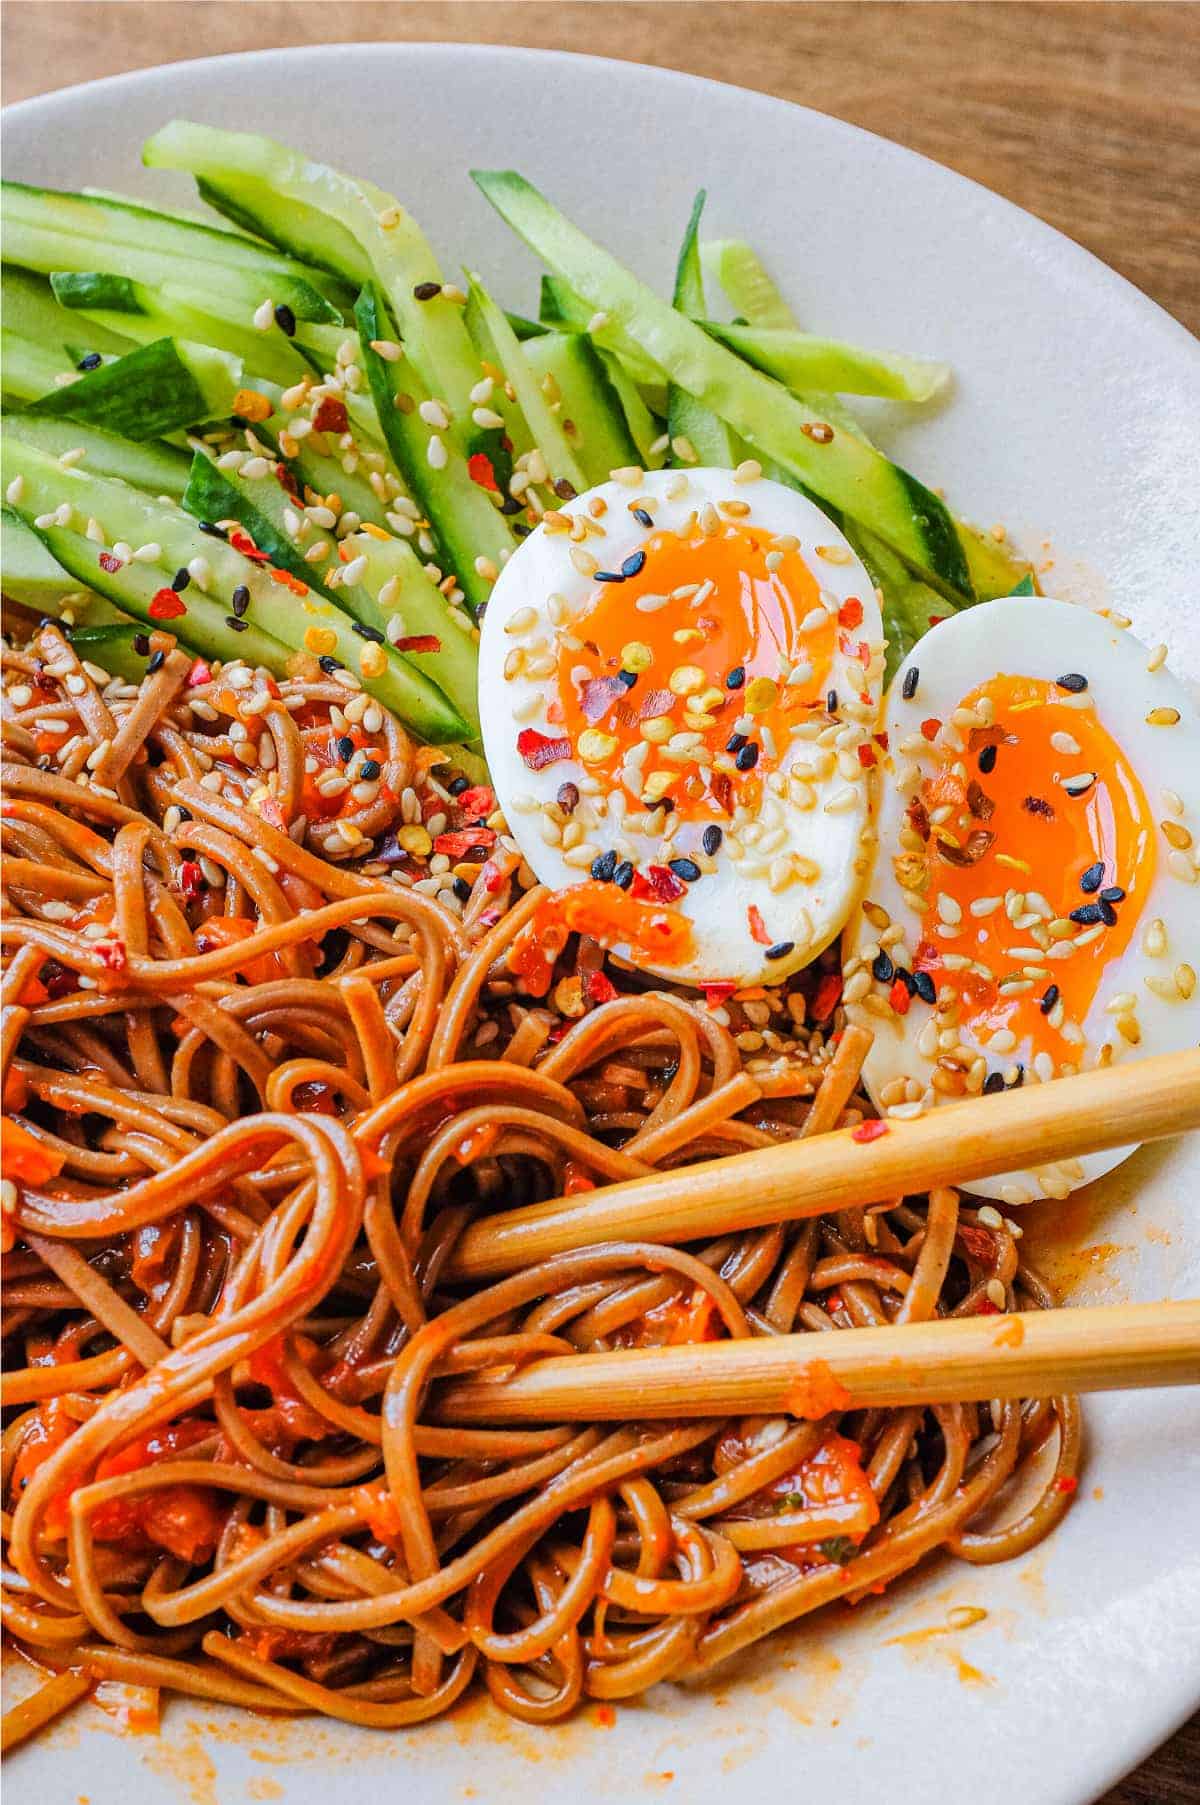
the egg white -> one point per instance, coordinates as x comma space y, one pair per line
1041, 638
809, 914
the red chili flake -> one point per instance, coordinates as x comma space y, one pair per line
827, 996
866, 756
850, 613
454, 845
719, 992
479, 800
242, 542
166, 605
987, 1308
199, 673
1066, 1483
419, 642
758, 927
191, 879
881, 740
868, 1131
659, 883
481, 471
331, 416
538, 750
899, 998
109, 561
111, 954
930, 728
491, 877
598, 988
286, 580
935, 620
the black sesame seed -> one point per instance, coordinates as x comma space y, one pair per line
735, 742
908, 688
457, 785
181, 579
568, 798
992, 1083
156, 663
285, 319
365, 632
831, 702
604, 866
141, 644
608, 576
622, 877
92, 361
923, 986
907, 979
711, 838
736, 677
780, 950
1112, 893
687, 869
369, 770
1108, 914
665, 803
633, 564
747, 758
520, 529
329, 663
212, 529
510, 505
882, 967
235, 625
642, 518
345, 748
461, 888
1072, 681
1087, 915
427, 291
987, 759
1049, 998
1092, 878
627, 678
240, 600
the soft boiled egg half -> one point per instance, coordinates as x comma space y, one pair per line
680, 678
1033, 908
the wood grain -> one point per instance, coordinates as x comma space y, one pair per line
1086, 114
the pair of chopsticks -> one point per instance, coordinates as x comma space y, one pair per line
1032, 1354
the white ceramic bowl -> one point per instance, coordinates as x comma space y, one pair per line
1076, 421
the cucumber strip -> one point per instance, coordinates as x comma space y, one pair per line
466, 524
804, 362
30, 576
751, 292
351, 226
111, 647
525, 328
259, 505
589, 406
29, 369
273, 626
841, 468
35, 216
544, 428
561, 306
688, 420
158, 469
31, 310
150, 391
148, 312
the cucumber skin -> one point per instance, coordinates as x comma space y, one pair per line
604, 442
688, 418
155, 469
111, 647
148, 392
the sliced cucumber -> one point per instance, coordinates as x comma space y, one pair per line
803, 362
466, 524
149, 312
158, 469
28, 369
31, 311
150, 391
394, 592
688, 420
736, 267
29, 575
589, 406
498, 342
841, 468
139, 242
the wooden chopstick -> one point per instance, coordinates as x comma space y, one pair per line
1037, 1353
1037, 1125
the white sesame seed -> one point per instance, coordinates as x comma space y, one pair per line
355, 570
388, 349
15, 491
434, 414
436, 454
200, 571
264, 315
255, 468
487, 417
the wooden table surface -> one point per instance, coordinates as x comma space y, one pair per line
1088, 115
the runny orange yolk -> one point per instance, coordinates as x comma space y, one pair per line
726, 612
1042, 842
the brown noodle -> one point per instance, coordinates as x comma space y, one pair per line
258, 1186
